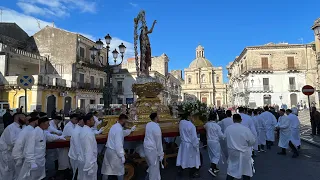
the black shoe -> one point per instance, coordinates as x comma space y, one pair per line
282, 153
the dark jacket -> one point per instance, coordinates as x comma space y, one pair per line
7, 119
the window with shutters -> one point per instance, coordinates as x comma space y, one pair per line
264, 63
292, 83
266, 86
82, 52
290, 62
101, 83
91, 82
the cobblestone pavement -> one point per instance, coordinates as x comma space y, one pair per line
305, 128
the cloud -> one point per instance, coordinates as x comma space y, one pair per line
26, 22
30, 25
133, 4
58, 8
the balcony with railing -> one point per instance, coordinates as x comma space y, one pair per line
88, 63
262, 88
6, 48
293, 88
39, 80
119, 90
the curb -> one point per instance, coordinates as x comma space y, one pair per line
310, 142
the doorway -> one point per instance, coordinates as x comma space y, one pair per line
266, 99
67, 105
51, 104
293, 99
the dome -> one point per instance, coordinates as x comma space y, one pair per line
200, 62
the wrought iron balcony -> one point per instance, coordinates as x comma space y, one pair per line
293, 87
262, 88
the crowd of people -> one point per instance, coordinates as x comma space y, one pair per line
236, 137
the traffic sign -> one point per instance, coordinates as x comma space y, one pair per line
307, 90
25, 81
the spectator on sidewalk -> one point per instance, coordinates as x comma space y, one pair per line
7, 118
315, 121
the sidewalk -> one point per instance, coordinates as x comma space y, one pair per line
305, 129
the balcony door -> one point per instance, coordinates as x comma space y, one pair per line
264, 63
292, 83
266, 86
290, 62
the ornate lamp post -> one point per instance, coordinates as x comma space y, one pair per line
96, 51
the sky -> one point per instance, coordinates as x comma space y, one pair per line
223, 28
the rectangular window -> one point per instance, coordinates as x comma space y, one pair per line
92, 101
120, 101
81, 79
101, 101
264, 63
101, 83
82, 104
266, 84
82, 52
197, 75
290, 62
292, 83
91, 82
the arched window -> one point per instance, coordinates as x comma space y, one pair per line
203, 78
189, 80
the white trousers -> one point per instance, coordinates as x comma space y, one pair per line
153, 164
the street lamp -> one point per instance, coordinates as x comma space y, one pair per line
96, 51
316, 27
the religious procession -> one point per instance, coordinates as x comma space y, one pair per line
148, 136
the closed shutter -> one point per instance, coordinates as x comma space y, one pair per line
264, 63
290, 62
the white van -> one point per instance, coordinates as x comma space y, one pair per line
3, 107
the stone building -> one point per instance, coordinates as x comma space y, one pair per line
18, 58
70, 54
316, 29
124, 78
272, 74
203, 81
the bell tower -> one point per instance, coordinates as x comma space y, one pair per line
199, 52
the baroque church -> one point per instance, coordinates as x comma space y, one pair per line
204, 82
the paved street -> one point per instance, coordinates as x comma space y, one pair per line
305, 126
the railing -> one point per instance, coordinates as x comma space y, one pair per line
119, 90
82, 85
263, 88
38, 80
292, 87
88, 62
7, 48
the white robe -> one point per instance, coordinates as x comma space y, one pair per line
18, 151
63, 158
285, 131
75, 154
224, 123
52, 154
295, 129
35, 152
262, 136
214, 134
8, 137
89, 148
112, 164
153, 149
248, 122
270, 122
256, 126
188, 154
239, 141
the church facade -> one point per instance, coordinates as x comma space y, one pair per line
204, 82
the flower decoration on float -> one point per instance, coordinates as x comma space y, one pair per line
196, 109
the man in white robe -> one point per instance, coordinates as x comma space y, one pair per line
248, 122
153, 147
224, 123
114, 159
284, 125
214, 135
295, 128
89, 149
33, 167
75, 154
18, 153
52, 154
262, 133
96, 120
8, 139
240, 140
270, 122
188, 154
63, 159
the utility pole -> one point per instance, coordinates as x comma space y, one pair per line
1, 14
